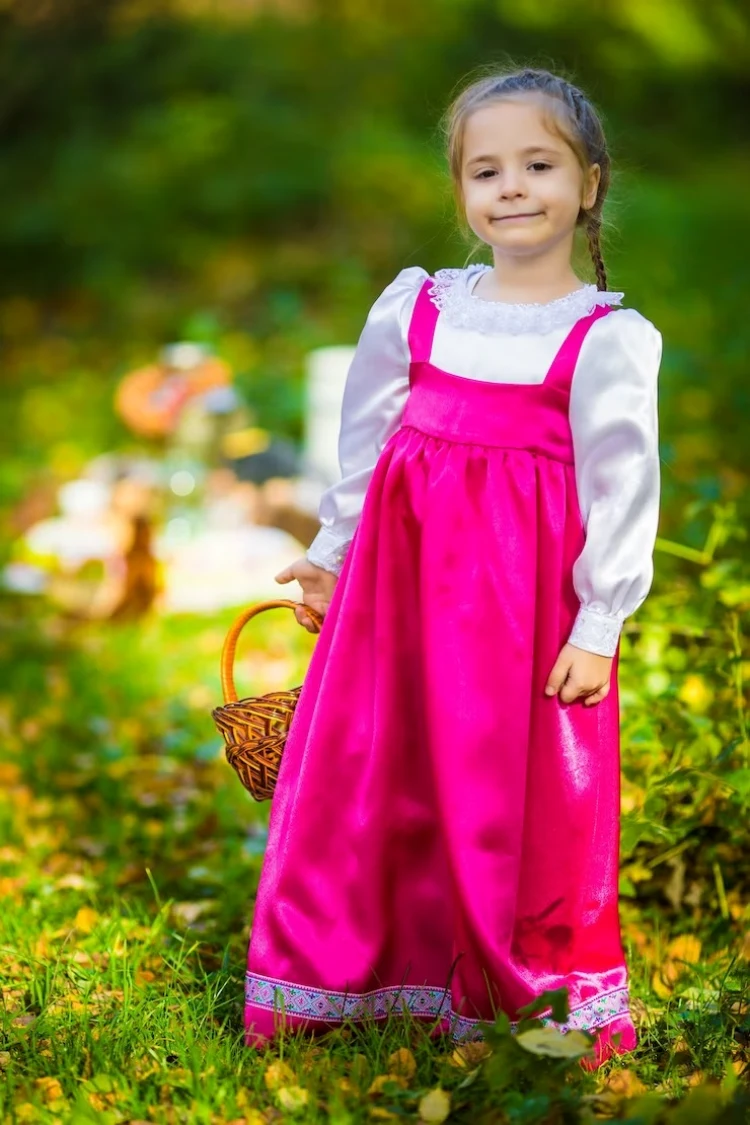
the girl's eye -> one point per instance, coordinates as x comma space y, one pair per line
484, 174
540, 165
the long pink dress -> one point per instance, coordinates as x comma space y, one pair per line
433, 805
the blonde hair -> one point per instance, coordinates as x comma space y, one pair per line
575, 120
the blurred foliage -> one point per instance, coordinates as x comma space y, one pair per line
251, 174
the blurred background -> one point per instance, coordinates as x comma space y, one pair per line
200, 201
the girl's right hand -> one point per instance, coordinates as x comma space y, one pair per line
317, 589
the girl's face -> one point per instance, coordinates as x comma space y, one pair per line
522, 185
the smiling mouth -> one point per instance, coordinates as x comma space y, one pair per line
524, 215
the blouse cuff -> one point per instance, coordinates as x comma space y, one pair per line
596, 632
328, 551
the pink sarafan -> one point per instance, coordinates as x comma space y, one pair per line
444, 837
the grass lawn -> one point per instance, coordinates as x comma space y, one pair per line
129, 858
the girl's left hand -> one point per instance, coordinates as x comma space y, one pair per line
577, 674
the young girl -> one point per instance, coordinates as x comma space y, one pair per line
444, 835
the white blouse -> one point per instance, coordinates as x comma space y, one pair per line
613, 419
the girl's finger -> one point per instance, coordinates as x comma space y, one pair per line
284, 576
557, 677
596, 697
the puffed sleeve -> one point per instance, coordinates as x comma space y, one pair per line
614, 422
375, 393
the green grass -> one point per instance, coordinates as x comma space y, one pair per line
129, 858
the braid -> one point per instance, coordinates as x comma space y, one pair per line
593, 227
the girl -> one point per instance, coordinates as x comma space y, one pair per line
444, 835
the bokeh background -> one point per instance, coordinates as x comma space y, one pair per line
247, 176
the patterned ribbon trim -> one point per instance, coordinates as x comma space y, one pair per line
434, 1003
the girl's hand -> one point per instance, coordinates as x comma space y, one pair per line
579, 673
317, 589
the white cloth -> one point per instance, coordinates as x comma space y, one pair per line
613, 419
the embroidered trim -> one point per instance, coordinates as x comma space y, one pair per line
596, 632
593, 1014
323, 1004
435, 1003
451, 292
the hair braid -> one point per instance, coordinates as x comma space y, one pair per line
593, 227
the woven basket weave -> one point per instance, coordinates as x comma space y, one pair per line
255, 729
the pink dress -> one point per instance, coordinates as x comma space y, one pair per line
444, 837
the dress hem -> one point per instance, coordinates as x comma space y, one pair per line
327, 1006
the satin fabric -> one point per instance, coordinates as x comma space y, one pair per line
613, 422
443, 836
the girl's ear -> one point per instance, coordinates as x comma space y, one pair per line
591, 186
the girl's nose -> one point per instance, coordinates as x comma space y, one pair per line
511, 187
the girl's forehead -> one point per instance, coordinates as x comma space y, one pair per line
511, 124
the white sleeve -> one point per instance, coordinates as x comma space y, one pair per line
614, 422
375, 394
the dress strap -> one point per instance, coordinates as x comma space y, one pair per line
422, 325
563, 365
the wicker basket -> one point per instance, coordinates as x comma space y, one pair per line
255, 729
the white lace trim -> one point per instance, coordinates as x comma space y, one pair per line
452, 293
328, 551
596, 632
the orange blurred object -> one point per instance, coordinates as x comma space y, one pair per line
150, 399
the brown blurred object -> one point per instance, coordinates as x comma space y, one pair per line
150, 399
38, 503
140, 583
277, 507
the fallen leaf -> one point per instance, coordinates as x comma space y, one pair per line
402, 1062
435, 1106
86, 920
278, 1074
686, 948
624, 1083
50, 1089
550, 1042
292, 1098
382, 1080
470, 1055
74, 882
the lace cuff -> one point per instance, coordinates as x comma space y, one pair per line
328, 551
595, 631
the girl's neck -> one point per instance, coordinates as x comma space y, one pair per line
527, 280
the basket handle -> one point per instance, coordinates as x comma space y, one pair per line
230, 644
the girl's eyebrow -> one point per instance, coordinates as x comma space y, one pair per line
530, 151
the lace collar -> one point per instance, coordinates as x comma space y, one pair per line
452, 294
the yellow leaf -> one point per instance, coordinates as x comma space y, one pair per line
86, 920
435, 1106
383, 1114
402, 1062
470, 1055
292, 1098
381, 1080
554, 1044
686, 948
660, 986
624, 1083
278, 1074
346, 1087
50, 1089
